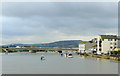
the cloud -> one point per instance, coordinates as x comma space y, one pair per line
51, 21
78, 9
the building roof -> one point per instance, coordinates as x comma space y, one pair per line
83, 42
94, 46
86, 42
109, 37
117, 49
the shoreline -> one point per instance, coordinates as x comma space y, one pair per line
86, 55
102, 57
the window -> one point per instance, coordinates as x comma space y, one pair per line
110, 47
100, 41
115, 43
110, 43
110, 39
115, 39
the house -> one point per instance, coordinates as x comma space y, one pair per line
93, 50
82, 47
115, 52
86, 46
107, 43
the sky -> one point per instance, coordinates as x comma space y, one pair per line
44, 22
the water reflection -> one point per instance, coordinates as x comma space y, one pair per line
30, 63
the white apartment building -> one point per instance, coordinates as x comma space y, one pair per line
107, 43
85, 46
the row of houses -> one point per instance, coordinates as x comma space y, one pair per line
104, 44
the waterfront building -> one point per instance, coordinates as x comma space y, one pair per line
93, 50
87, 46
107, 43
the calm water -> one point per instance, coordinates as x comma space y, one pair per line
30, 63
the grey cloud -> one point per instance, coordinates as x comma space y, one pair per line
58, 20
82, 9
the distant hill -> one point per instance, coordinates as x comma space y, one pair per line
59, 44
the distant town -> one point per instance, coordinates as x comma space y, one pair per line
104, 46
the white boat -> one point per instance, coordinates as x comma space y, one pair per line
69, 56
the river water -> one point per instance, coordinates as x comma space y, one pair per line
30, 63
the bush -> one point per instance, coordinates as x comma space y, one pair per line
85, 54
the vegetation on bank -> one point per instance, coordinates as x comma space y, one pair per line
112, 57
1, 51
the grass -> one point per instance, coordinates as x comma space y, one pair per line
1, 51
83, 42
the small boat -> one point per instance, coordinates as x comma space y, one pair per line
61, 54
69, 56
42, 58
66, 55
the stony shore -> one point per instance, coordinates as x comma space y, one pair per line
103, 57
97, 56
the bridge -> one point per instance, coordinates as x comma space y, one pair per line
37, 49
